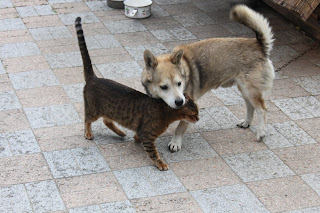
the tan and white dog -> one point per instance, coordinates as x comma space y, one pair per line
208, 64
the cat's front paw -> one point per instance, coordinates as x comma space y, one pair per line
88, 136
161, 165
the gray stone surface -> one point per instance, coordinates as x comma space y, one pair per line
44, 196
137, 51
97, 5
91, 209
195, 19
6, 4
33, 79
148, 181
87, 18
9, 100
118, 207
194, 147
64, 60
311, 84
124, 26
228, 96
14, 199
22, 142
223, 116
54, 115
257, 166
11, 24
128, 69
26, 11
74, 92
292, 109
2, 70
313, 180
206, 122
234, 198
293, 133
43, 10
49, 33
90, 160
310, 103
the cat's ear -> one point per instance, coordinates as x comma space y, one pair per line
150, 60
176, 56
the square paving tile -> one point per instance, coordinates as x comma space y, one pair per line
44, 10
258, 166
6, 4
22, 142
148, 181
223, 116
44, 196
22, 169
293, 133
9, 101
118, 207
311, 84
48, 116
311, 126
49, 33
301, 159
2, 70
14, 199
62, 60
13, 120
103, 41
90, 189
284, 194
62, 137
179, 202
233, 141
291, 108
124, 26
313, 180
33, 79
42, 96
128, 69
136, 38
306, 210
74, 92
75, 162
72, 75
137, 51
293, 70
228, 96
206, 122
193, 147
12, 24
310, 103
91, 209
194, 19
27, 63
97, 5
204, 173
87, 17
125, 155
5, 83
26, 11
273, 138
234, 198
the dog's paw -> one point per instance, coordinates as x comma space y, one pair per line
243, 124
260, 135
174, 146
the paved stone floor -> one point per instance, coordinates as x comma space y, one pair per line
46, 165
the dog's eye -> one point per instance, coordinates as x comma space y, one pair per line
179, 83
164, 87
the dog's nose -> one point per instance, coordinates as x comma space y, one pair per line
179, 102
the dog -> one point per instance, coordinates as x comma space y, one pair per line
112, 101
216, 62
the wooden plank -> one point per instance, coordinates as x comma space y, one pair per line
310, 26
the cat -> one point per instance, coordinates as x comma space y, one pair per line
147, 116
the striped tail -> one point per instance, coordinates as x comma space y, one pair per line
87, 65
257, 23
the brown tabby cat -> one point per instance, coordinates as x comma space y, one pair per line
134, 110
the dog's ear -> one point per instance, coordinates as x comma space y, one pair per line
149, 59
176, 56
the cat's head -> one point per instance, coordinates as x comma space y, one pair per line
190, 110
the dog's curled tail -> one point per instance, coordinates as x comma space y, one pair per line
255, 21
87, 65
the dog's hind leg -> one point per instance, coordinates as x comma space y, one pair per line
249, 115
109, 123
176, 142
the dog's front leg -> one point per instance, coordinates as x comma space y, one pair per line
176, 142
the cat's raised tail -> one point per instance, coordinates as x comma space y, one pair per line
87, 65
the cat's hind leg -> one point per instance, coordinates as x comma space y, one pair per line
109, 123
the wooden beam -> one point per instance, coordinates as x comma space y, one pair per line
310, 26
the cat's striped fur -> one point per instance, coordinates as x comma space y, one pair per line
134, 110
